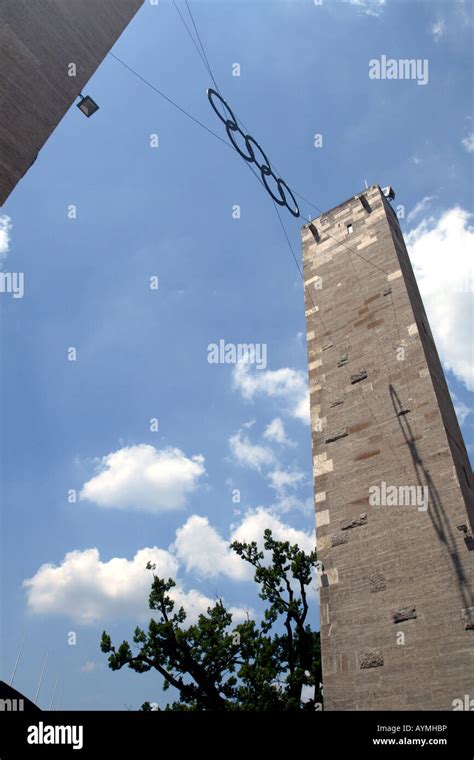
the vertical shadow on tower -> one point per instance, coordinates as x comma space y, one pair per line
435, 507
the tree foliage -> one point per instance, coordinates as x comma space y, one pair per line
249, 666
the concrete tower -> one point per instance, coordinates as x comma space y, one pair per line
49, 49
392, 480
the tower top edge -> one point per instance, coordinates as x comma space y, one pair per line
327, 214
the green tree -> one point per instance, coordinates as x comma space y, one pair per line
250, 666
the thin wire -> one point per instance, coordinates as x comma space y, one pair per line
54, 692
205, 60
203, 126
41, 679
307, 201
18, 659
206, 66
169, 100
351, 250
199, 47
367, 261
290, 246
224, 142
340, 242
182, 110
202, 46
59, 697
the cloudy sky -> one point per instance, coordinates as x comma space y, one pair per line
140, 448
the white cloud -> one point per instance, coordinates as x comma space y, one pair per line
284, 483
286, 384
438, 29
200, 547
196, 604
257, 456
203, 550
144, 478
5, 227
91, 667
369, 7
461, 409
465, 14
289, 502
87, 590
419, 207
301, 410
441, 253
275, 431
256, 521
249, 454
282, 479
468, 143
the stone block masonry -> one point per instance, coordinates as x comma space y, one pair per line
396, 592
39, 40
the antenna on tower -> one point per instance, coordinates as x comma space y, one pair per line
41, 680
17, 659
59, 697
54, 692
366, 185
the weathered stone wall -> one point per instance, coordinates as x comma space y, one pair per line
397, 608
38, 40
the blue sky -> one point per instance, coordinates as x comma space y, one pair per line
142, 353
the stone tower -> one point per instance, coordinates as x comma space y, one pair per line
50, 49
393, 486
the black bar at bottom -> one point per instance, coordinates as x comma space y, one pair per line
373, 734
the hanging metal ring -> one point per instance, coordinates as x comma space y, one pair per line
266, 171
211, 94
265, 168
229, 129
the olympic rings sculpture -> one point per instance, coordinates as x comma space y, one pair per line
252, 147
